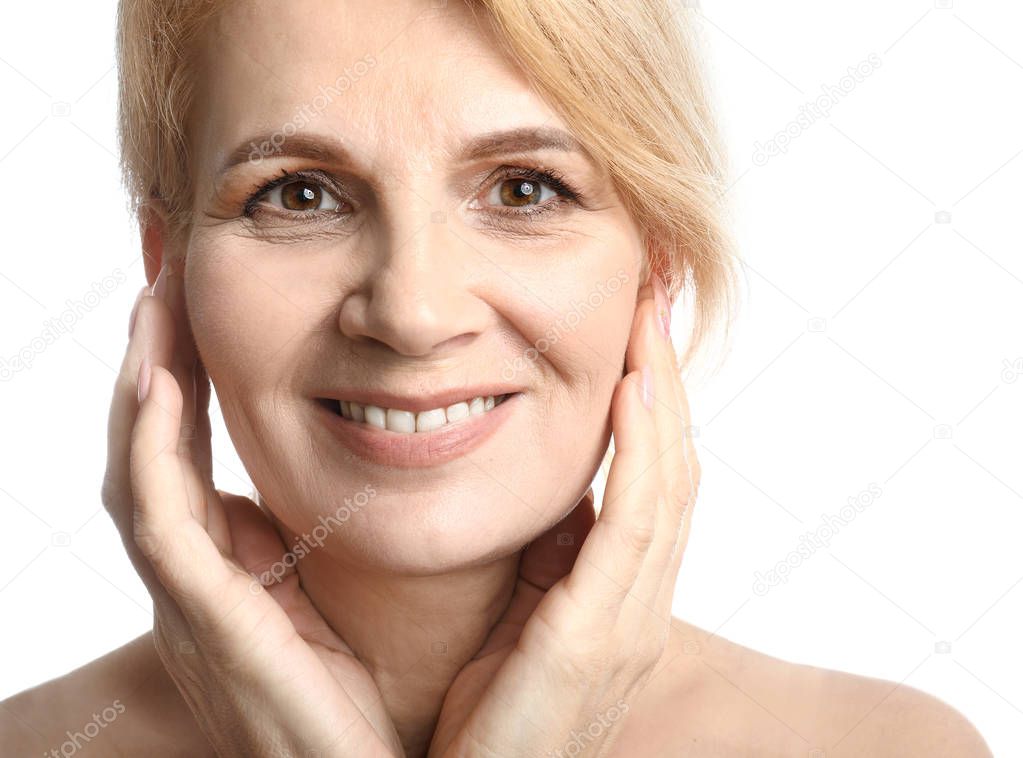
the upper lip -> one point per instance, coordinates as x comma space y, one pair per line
418, 403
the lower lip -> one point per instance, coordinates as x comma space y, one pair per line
418, 449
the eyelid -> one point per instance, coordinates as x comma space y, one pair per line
553, 178
312, 176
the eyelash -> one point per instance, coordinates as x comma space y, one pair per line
551, 177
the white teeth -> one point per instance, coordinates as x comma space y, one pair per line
376, 417
430, 420
406, 422
401, 421
458, 411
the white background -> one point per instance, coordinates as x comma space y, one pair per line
875, 346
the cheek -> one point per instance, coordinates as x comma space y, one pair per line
574, 316
578, 310
245, 309
242, 313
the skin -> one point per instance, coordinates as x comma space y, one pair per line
535, 643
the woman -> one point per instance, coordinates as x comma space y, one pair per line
427, 257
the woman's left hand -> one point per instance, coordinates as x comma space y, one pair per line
587, 625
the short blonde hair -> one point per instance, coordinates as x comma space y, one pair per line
626, 76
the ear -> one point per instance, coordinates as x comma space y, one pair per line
154, 230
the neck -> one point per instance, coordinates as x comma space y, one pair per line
412, 633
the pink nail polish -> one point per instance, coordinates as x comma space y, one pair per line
647, 394
663, 306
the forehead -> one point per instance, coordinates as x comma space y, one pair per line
398, 83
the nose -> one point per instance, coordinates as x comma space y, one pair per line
418, 297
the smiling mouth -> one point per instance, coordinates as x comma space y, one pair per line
409, 422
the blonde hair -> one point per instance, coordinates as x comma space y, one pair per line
626, 77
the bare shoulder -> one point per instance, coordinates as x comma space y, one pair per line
885, 718
120, 704
713, 697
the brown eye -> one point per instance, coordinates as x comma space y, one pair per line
301, 196
520, 192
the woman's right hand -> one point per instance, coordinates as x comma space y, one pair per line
258, 667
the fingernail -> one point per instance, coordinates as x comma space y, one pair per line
647, 394
663, 306
135, 310
144, 373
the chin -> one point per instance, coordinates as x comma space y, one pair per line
481, 491
425, 533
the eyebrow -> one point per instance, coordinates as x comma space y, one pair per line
524, 139
327, 150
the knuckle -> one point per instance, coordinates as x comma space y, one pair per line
685, 483
149, 541
648, 652
680, 499
111, 492
636, 537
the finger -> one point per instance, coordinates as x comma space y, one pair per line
149, 323
186, 560
673, 455
193, 442
116, 494
170, 290
612, 556
217, 523
666, 591
203, 453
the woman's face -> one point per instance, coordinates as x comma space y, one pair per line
403, 256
